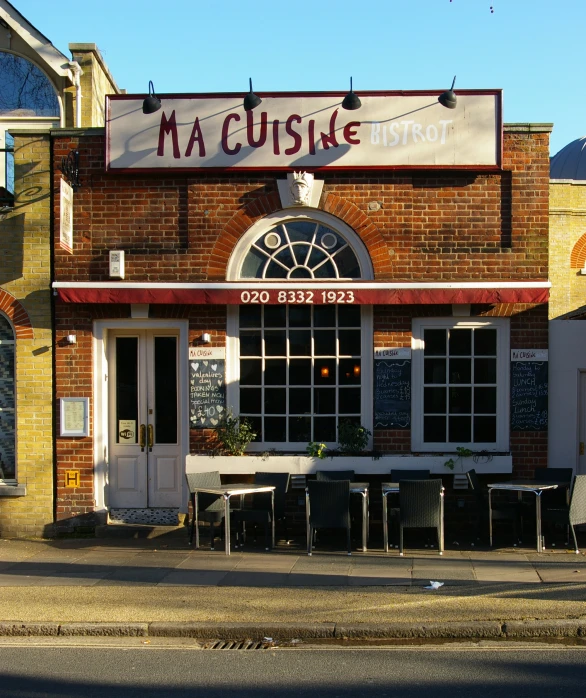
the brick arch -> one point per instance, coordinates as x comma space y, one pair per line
335, 205
15, 312
578, 255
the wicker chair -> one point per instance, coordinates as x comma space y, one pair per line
573, 515
261, 509
210, 506
396, 476
421, 506
328, 507
501, 511
329, 475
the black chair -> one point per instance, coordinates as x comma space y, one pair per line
557, 498
421, 506
210, 506
261, 509
575, 513
328, 507
501, 511
398, 475
330, 475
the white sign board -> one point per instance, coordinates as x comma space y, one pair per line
66, 217
304, 132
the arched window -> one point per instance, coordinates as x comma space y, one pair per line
297, 370
7, 401
25, 90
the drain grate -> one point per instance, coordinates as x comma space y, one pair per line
238, 645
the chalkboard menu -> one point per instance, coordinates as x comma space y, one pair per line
529, 395
392, 393
207, 392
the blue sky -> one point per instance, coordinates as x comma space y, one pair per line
532, 49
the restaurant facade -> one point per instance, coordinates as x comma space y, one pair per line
300, 265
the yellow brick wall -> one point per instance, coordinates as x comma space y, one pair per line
96, 83
567, 203
25, 235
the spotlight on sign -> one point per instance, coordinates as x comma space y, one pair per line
251, 100
151, 103
351, 100
448, 98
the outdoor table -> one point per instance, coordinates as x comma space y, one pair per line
362, 488
520, 486
228, 491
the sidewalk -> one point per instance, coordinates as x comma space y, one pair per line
158, 585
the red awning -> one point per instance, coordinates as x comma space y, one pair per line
350, 294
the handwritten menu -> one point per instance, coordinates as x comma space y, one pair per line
207, 392
392, 393
529, 389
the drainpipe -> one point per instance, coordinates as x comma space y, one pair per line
77, 73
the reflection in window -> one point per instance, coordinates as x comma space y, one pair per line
298, 381
7, 403
300, 250
24, 89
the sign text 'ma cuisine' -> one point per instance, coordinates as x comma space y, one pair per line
387, 131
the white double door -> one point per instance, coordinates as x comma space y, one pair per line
144, 419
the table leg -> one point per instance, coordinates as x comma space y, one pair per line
227, 523
273, 515
385, 525
441, 540
364, 521
490, 516
196, 520
307, 529
538, 521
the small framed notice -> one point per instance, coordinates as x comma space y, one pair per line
74, 416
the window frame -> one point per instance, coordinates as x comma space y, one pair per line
502, 326
366, 323
12, 480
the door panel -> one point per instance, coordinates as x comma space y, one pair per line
144, 463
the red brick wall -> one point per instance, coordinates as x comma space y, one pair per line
416, 226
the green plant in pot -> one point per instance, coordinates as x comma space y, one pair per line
461, 452
352, 437
233, 435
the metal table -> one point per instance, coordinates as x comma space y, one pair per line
520, 486
362, 488
228, 491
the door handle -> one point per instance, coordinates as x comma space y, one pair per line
581, 448
151, 436
142, 437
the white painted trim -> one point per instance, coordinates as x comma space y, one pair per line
303, 465
349, 285
100, 391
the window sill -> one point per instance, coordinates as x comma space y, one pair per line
12, 490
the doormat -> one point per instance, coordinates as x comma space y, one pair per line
154, 517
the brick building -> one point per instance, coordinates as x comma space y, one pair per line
302, 266
567, 308
40, 89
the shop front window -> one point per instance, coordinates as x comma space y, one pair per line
460, 378
7, 402
300, 370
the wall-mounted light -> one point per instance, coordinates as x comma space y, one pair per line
151, 103
71, 339
251, 100
324, 372
206, 338
356, 370
351, 100
448, 98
